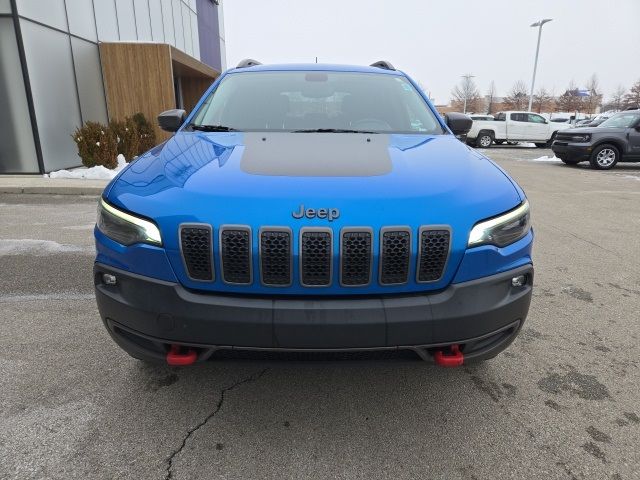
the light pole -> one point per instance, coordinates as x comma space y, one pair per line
538, 24
468, 78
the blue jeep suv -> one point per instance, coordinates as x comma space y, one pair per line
313, 208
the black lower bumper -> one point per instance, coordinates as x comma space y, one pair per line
145, 316
576, 153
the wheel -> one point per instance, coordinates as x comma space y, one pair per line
604, 157
499, 142
484, 140
569, 161
541, 145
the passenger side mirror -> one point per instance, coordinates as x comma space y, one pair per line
459, 123
171, 120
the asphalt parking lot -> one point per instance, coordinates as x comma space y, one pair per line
562, 403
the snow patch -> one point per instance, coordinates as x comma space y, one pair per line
544, 159
28, 246
94, 173
632, 177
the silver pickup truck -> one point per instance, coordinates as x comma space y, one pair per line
514, 126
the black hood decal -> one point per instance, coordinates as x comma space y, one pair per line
316, 154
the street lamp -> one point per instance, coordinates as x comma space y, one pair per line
538, 24
468, 78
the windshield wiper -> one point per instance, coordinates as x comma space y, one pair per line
211, 128
331, 130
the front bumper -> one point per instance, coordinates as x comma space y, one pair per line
145, 316
569, 151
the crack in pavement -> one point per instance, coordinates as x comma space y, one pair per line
251, 378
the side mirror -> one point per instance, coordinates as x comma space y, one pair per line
171, 120
459, 123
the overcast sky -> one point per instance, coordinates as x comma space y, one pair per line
437, 41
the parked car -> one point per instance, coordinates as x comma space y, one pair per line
596, 121
475, 116
313, 208
617, 139
514, 127
583, 123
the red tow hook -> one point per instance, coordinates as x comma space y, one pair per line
176, 358
454, 358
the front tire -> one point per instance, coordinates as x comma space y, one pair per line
484, 140
569, 161
604, 157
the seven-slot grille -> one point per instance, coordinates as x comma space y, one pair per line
315, 253
235, 254
195, 243
434, 252
355, 257
275, 256
315, 257
395, 255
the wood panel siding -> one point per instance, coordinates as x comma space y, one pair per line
192, 90
139, 77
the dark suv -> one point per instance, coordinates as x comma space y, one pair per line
614, 140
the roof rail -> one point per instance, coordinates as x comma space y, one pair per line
248, 62
383, 64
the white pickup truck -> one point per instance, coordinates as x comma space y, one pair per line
514, 127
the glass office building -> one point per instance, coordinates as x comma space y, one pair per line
52, 76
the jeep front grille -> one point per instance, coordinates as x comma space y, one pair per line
434, 252
235, 254
395, 255
355, 257
399, 255
275, 256
315, 257
195, 243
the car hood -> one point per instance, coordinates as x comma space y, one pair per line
236, 177
592, 130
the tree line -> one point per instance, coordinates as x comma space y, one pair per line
572, 99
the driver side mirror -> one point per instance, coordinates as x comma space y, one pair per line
171, 120
459, 123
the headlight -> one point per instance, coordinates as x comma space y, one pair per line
125, 228
585, 137
502, 230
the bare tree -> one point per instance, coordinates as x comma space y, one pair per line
490, 96
542, 100
595, 95
617, 98
518, 98
466, 90
632, 99
570, 100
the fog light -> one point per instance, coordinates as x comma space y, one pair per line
109, 279
519, 281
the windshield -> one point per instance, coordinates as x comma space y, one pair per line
622, 120
316, 101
